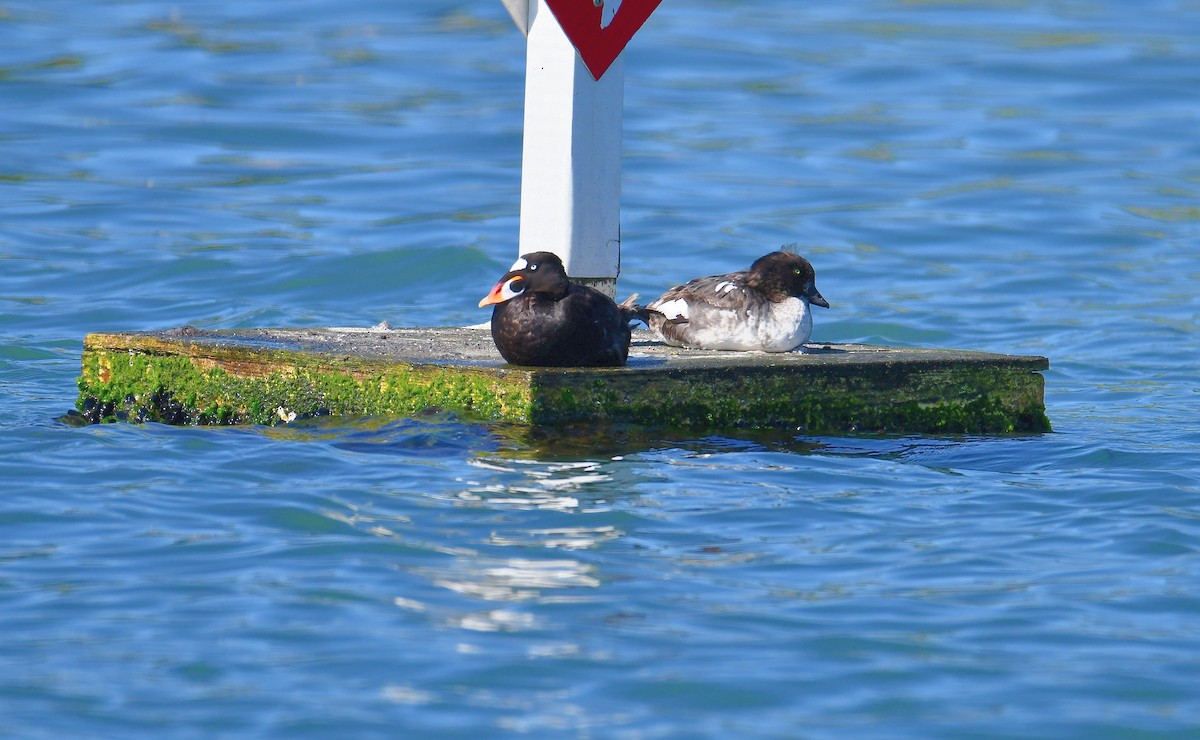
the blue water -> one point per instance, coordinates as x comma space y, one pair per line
1019, 177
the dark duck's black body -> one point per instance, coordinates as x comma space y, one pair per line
541, 318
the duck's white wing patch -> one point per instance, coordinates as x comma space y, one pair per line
719, 291
673, 309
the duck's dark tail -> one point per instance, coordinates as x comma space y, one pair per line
633, 311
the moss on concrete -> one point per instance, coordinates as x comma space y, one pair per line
142, 382
923, 397
277, 376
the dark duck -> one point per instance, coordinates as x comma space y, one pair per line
766, 308
542, 318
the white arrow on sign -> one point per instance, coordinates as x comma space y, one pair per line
519, 10
610, 10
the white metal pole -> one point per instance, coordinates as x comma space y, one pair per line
571, 161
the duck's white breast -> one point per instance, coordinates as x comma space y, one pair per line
785, 325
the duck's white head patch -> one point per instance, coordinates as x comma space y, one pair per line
520, 264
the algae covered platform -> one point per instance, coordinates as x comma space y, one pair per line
274, 376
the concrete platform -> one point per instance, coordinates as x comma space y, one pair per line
274, 376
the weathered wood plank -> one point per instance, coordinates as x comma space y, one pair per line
271, 376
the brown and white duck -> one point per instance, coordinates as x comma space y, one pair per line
766, 308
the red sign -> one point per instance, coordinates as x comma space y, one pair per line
600, 29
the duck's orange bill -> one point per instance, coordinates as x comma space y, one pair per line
505, 290
496, 296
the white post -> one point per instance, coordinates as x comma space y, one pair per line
571, 163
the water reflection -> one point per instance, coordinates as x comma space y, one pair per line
504, 521
508, 580
511, 579
558, 538
535, 485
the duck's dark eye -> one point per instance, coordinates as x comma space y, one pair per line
533, 267
796, 271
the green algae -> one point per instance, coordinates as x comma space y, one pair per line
141, 386
926, 399
246, 380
